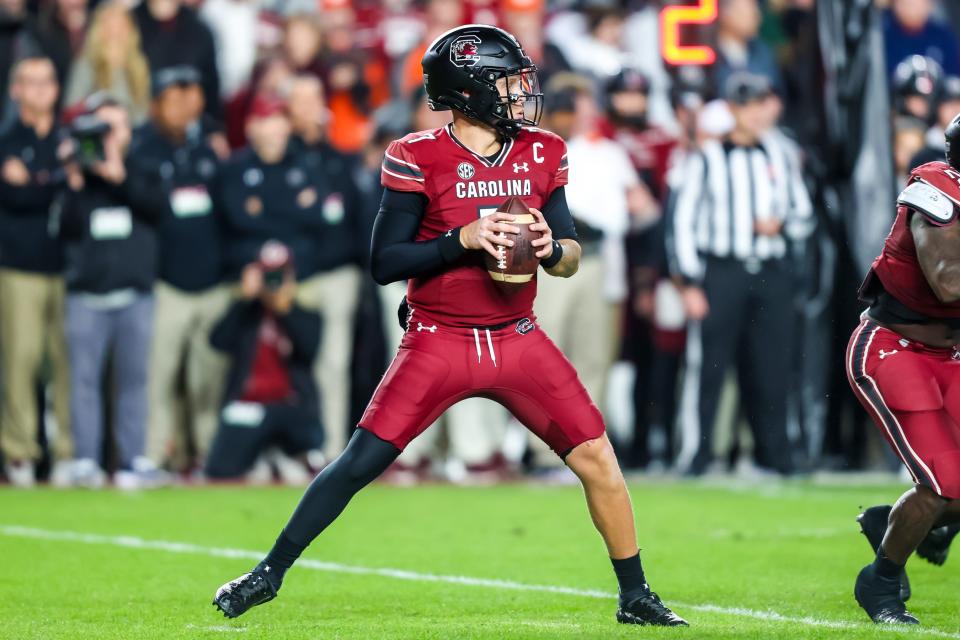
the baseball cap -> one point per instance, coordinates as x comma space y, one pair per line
744, 87
265, 106
180, 76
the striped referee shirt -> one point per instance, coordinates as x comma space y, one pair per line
724, 190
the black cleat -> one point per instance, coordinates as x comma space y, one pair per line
936, 545
880, 598
247, 591
873, 525
647, 609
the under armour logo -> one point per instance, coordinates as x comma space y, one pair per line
449, 233
517, 168
884, 354
431, 329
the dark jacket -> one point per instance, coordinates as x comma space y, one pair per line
236, 336
28, 235
340, 238
191, 230
283, 201
110, 232
183, 40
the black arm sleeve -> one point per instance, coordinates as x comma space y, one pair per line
558, 216
394, 255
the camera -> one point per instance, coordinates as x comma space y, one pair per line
273, 278
275, 261
88, 133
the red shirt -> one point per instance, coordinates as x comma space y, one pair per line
460, 186
269, 379
650, 152
897, 266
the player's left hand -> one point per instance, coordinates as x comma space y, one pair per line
545, 242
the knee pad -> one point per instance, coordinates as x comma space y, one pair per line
946, 469
907, 383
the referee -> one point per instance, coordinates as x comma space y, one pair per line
741, 198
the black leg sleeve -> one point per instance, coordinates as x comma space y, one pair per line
365, 458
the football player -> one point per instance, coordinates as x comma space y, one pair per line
903, 363
464, 336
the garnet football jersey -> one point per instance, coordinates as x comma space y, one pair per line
460, 186
897, 267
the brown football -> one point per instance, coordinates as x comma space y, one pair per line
516, 265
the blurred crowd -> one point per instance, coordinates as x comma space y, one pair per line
187, 191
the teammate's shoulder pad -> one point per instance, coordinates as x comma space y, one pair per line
929, 201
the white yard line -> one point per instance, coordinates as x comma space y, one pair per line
133, 542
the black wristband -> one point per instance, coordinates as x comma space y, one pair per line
555, 257
450, 247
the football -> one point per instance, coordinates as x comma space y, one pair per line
515, 266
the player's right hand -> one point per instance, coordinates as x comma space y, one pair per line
485, 233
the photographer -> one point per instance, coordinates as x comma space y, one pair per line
109, 219
31, 274
271, 397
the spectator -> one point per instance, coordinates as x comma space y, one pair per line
909, 134
356, 80
909, 29
60, 30
271, 77
185, 374
331, 279
947, 109
174, 35
109, 220
266, 192
917, 82
303, 44
649, 146
233, 24
15, 41
31, 275
729, 243
112, 61
603, 192
599, 51
271, 398
738, 47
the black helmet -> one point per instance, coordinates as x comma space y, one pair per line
917, 76
461, 69
951, 139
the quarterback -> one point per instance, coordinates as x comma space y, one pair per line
903, 363
466, 337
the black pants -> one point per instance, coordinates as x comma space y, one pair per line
238, 442
750, 325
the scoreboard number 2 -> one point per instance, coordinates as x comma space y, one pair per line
672, 19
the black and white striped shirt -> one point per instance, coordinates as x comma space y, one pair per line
724, 189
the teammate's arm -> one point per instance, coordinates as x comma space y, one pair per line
938, 249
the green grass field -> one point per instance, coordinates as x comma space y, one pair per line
775, 561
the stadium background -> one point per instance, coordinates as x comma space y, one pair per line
857, 105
